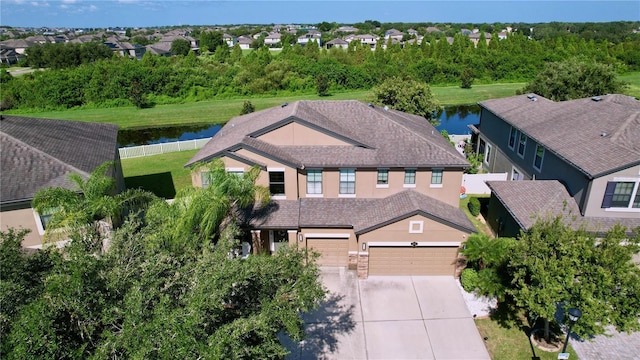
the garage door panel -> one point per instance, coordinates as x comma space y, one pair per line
412, 260
333, 252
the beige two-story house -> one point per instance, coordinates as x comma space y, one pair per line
368, 188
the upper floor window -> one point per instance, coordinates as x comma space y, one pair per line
622, 194
409, 177
383, 177
436, 178
347, 181
276, 183
537, 160
512, 137
522, 144
314, 182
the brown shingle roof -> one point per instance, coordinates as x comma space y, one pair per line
597, 137
379, 137
39, 153
527, 201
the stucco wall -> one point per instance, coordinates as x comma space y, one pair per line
22, 218
432, 231
297, 134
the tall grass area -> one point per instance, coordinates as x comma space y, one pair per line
633, 79
162, 174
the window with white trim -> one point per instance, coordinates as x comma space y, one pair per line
487, 154
537, 160
513, 134
383, 177
410, 177
347, 181
436, 177
522, 144
314, 181
516, 174
622, 195
276, 183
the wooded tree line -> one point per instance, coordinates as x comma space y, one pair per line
226, 72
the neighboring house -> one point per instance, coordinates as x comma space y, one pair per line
245, 42
366, 40
41, 153
338, 43
9, 55
589, 147
230, 39
312, 35
125, 49
18, 45
475, 38
169, 39
368, 188
272, 39
393, 34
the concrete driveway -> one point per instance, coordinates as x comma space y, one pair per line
389, 317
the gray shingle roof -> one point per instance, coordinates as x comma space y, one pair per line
527, 201
364, 215
379, 137
597, 137
39, 153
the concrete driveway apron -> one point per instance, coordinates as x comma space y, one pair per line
389, 317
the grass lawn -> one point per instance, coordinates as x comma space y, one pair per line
634, 83
162, 174
505, 341
479, 225
219, 111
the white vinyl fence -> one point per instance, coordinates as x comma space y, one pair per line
154, 149
474, 183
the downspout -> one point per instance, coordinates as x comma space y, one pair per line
585, 198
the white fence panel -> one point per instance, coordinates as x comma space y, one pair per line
154, 149
475, 183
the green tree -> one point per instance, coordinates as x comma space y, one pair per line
180, 47
322, 85
247, 107
407, 95
575, 79
93, 199
552, 265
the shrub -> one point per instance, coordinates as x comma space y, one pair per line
474, 206
247, 108
469, 280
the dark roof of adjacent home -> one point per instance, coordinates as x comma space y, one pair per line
596, 135
528, 201
363, 215
374, 137
40, 153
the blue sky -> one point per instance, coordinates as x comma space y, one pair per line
145, 13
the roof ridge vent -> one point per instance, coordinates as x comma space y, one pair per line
596, 98
531, 96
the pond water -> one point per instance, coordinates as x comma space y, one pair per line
454, 119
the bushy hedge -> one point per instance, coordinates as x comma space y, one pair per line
474, 206
469, 280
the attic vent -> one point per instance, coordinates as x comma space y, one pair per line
531, 96
596, 98
285, 104
370, 105
603, 134
386, 108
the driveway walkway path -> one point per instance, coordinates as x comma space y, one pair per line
389, 317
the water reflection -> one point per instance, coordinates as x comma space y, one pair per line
454, 119
166, 134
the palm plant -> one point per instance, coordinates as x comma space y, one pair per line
93, 199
